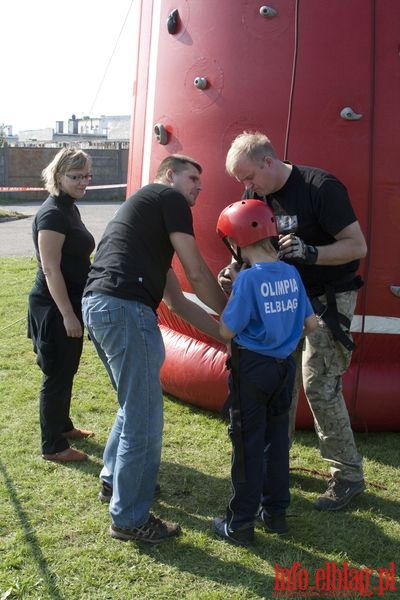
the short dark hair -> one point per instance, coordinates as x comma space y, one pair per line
178, 163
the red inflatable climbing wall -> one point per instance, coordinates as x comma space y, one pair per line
321, 79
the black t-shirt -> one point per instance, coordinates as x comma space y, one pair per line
135, 252
60, 214
322, 206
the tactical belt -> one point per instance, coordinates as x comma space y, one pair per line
329, 312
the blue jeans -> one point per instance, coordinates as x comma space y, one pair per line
128, 340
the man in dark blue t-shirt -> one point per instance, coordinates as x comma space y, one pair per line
130, 275
320, 234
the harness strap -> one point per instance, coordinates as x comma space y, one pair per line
332, 318
270, 397
236, 418
236, 255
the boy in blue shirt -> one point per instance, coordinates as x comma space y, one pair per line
267, 314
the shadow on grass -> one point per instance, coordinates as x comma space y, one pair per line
222, 571
193, 498
92, 447
308, 480
372, 445
31, 538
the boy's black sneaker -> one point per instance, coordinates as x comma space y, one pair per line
274, 523
339, 493
153, 531
106, 492
239, 537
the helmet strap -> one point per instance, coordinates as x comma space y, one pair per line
236, 255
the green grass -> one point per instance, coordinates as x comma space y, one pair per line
10, 214
54, 541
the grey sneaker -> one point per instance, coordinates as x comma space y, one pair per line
153, 531
238, 537
274, 522
106, 492
339, 493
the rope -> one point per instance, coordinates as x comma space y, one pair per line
294, 67
12, 324
328, 476
371, 181
110, 59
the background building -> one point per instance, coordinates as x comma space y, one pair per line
83, 130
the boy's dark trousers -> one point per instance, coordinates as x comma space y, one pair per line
260, 468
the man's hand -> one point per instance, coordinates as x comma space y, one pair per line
227, 276
293, 247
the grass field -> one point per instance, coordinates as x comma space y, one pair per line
54, 541
10, 214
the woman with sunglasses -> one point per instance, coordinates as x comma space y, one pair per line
63, 247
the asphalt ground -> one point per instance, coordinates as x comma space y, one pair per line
16, 234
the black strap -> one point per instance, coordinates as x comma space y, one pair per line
236, 419
269, 398
236, 255
332, 318
345, 284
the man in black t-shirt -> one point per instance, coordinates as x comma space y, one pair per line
130, 275
322, 237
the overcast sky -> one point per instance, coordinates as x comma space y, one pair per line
54, 55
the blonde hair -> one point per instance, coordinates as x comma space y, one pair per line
252, 145
65, 160
266, 244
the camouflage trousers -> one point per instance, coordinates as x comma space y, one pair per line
320, 363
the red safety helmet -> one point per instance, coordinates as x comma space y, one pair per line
246, 222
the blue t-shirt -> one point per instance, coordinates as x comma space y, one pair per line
267, 309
